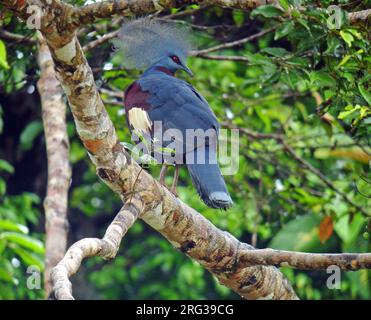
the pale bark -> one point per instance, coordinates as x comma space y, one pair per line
106, 248
306, 261
107, 9
12, 37
59, 171
359, 16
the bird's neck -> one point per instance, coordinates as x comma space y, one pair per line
159, 69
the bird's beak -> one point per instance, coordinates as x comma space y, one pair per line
186, 69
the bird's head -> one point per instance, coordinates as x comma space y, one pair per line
174, 62
148, 44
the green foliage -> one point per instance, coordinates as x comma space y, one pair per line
29, 134
267, 11
19, 248
301, 234
3, 60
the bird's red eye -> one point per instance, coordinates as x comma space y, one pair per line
175, 59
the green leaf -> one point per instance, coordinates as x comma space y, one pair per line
11, 226
344, 61
283, 30
348, 232
3, 60
2, 187
238, 17
259, 59
77, 152
24, 241
29, 134
276, 52
328, 128
300, 234
291, 77
347, 37
348, 111
2, 246
267, 11
5, 275
6, 166
322, 79
334, 47
284, 4
304, 23
365, 94
29, 258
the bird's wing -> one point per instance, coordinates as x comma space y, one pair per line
136, 107
179, 106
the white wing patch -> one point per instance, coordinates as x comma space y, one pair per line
139, 119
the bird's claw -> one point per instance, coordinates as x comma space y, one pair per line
173, 191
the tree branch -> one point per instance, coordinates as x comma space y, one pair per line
359, 16
106, 248
305, 261
91, 45
6, 35
59, 171
321, 176
107, 9
231, 44
223, 58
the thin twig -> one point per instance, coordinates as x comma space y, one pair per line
232, 43
18, 38
91, 45
324, 179
304, 260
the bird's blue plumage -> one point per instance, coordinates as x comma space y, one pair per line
177, 105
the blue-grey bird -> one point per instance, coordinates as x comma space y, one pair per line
161, 50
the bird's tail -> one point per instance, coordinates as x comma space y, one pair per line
209, 181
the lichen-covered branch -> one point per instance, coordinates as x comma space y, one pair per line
106, 247
107, 9
92, 44
59, 171
304, 260
358, 16
13, 37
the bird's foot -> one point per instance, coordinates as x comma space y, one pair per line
175, 180
173, 191
161, 178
